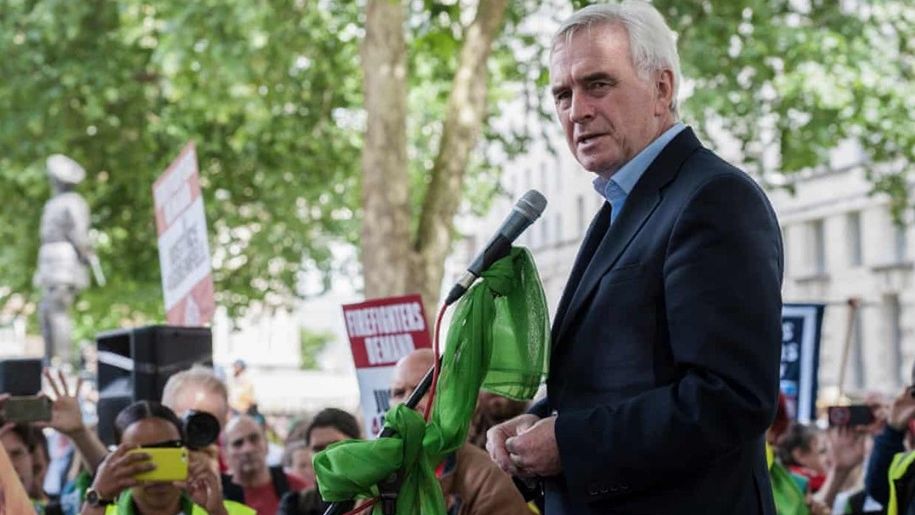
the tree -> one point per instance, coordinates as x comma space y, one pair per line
398, 256
802, 77
311, 344
267, 90
272, 93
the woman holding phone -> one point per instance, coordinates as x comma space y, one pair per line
140, 430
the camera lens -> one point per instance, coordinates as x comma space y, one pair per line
201, 429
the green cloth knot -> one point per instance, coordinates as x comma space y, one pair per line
497, 339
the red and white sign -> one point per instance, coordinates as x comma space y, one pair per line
184, 254
381, 331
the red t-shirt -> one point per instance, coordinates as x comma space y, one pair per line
263, 499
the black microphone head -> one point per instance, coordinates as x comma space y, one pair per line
531, 205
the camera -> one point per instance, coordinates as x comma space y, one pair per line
201, 429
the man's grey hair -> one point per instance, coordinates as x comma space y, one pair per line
652, 45
196, 375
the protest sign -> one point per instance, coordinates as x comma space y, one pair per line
381, 331
184, 254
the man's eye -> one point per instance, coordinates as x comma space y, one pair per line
398, 392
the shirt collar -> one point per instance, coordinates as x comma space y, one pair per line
629, 174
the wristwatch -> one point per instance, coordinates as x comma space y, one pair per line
95, 500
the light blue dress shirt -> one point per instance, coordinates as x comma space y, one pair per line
620, 184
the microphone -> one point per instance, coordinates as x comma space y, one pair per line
525, 211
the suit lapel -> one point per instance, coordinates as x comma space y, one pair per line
640, 204
593, 237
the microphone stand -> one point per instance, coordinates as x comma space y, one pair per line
390, 486
526, 210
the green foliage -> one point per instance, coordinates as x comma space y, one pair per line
269, 91
311, 343
802, 77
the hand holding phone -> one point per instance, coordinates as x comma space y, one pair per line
118, 471
25, 410
170, 463
854, 415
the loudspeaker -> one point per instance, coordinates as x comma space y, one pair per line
134, 364
20, 376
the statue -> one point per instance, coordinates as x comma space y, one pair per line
64, 255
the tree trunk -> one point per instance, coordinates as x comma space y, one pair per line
390, 265
464, 118
385, 185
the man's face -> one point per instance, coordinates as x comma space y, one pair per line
199, 398
247, 448
20, 457
407, 375
321, 437
608, 113
39, 471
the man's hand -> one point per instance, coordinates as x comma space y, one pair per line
525, 446
498, 434
66, 416
205, 489
846, 445
117, 472
8, 426
902, 410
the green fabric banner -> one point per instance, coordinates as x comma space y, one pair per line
498, 339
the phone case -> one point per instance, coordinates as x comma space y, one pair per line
171, 464
26, 409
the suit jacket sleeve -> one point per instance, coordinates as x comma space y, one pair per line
721, 287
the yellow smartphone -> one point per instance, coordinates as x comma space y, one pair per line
171, 463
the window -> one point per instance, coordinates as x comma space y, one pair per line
818, 247
853, 240
545, 231
857, 350
543, 184
894, 336
900, 243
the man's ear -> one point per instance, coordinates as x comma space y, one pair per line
664, 87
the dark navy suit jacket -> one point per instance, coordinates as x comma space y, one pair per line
666, 347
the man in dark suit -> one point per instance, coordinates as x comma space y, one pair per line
665, 345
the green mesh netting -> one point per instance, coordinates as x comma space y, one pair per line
497, 339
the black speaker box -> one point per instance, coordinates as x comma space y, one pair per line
20, 376
134, 364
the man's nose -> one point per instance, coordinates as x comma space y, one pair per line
581, 108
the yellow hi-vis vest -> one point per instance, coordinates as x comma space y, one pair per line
232, 507
898, 468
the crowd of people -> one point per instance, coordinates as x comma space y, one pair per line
233, 475
814, 468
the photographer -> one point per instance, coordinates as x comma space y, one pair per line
117, 491
199, 389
